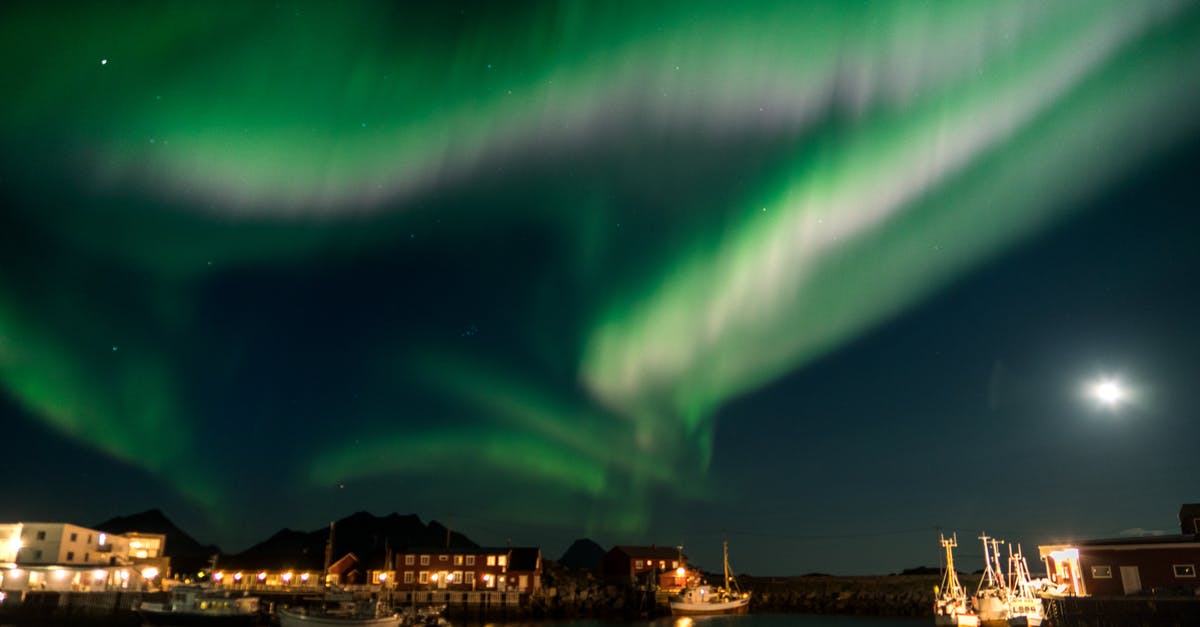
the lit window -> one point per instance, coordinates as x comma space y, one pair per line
637, 564
442, 558
1185, 571
1102, 572
408, 576
501, 560
470, 577
424, 560
491, 560
458, 560
424, 576
470, 560
409, 560
674, 563
662, 564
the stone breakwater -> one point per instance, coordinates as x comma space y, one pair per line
897, 595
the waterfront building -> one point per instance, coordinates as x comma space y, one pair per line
64, 556
664, 567
468, 569
1163, 564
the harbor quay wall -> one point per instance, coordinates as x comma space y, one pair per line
891, 595
1123, 611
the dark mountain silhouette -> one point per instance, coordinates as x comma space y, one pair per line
361, 533
583, 554
187, 555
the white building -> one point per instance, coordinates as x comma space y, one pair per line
62, 556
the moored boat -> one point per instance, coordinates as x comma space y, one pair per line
698, 599
195, 605
991, 597
950, 598
301, 617
1024, 607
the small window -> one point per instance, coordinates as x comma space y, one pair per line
424, 578
637, 564
37, 555
491, 560
1185, 571
470, 560
501, 560
87, 557
70, 556
424, 560
41, 535
408, 576
458, 560
470, 577
74, 537
89, 540
674, 563
442, 558
409, 560
662, 564
1102, 572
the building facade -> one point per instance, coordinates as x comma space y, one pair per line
1160, 565
63, 556
665, 567
466, 569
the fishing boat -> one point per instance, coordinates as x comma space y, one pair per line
991, 597
950, 598
340, 617
699, 599
196, 605
1024, 607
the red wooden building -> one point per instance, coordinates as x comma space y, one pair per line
1161, 565
469, 569
665, 566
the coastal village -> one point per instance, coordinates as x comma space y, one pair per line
48, 568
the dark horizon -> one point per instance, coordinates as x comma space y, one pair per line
816, 277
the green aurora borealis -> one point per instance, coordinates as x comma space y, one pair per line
534, 243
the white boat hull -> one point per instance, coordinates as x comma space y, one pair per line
289, 618
733, 606
956, 620
1031, 620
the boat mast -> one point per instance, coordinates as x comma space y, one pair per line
725, 550
950, 584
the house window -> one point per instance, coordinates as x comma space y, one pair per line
491, 560
41, 535
74, 537
87, 557
470, 560
458, 578
1185, 571
662, 564
71, 557
458, 560
674, 563
409, 560
424, 560
1102, 572
638, 564
37, 555
89, 540
424, 578
442, 558
470, 577
501, 560
408, 576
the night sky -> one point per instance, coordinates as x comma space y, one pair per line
818, 277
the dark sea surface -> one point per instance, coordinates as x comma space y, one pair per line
751, 620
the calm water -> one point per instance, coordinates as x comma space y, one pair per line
751, 620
